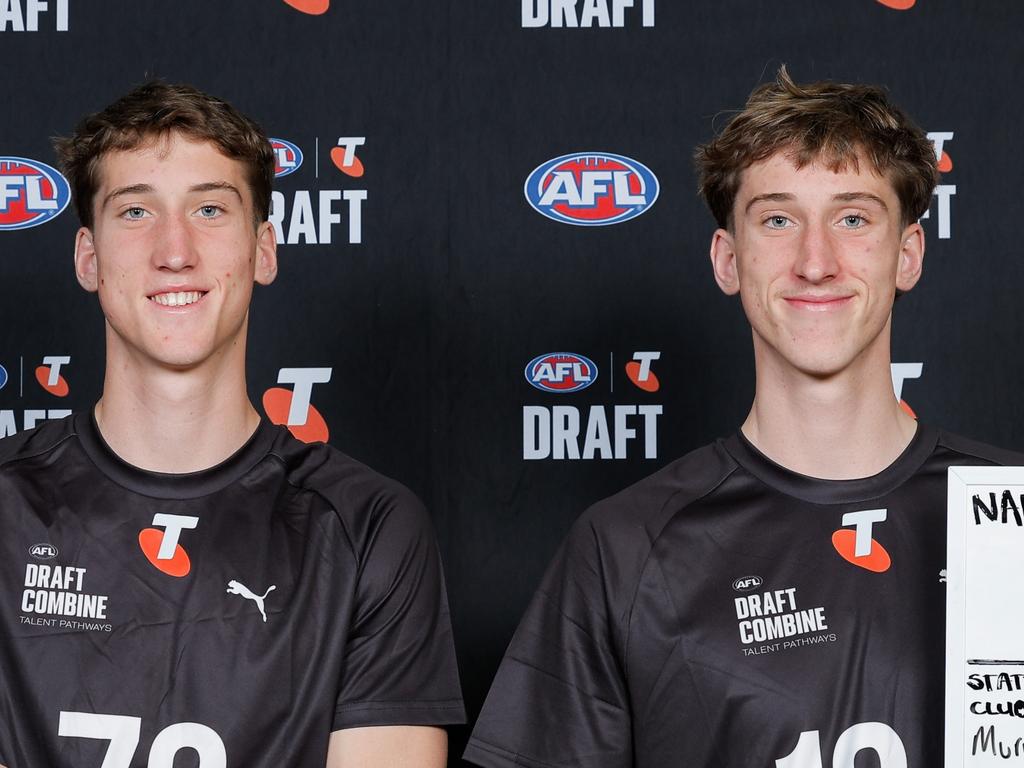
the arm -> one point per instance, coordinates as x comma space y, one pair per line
388, 746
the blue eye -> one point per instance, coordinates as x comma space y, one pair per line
777, 222
210, 211
134, 213
853, 221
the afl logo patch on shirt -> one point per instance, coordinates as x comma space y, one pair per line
747, 583
43, 551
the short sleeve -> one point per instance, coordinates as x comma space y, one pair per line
399, 667
560, 697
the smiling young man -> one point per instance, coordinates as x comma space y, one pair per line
773, 599
186, 583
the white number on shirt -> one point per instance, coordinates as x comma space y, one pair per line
123, 734
877, 736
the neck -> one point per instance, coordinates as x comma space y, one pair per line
166, 420
838, 427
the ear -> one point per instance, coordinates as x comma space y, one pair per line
911, 259
85, 260
266, 254
723, 262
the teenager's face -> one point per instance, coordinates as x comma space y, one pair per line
173, 252
816, 257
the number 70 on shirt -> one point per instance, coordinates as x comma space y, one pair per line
123, 732
877, 736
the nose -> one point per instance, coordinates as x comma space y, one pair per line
817, 261
174, 249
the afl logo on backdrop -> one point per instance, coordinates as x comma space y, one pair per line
287, 157
561, 372
31, 193
591, 189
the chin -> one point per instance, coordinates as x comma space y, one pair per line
180, 359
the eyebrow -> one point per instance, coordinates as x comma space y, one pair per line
213, 186
851, 197
131, 189
777, 197
842, 197
144, 189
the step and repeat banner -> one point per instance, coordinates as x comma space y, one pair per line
494, 283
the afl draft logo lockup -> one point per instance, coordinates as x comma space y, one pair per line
31, 193
591, 189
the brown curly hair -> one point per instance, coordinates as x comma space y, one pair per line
833, 123
156, 109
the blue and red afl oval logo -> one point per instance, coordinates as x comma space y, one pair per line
287, 157
31, 193
591, 189
561, 372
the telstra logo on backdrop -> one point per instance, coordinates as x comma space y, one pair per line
31, 193
293, 408
591, 189
312, 7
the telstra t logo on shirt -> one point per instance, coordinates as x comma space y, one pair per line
857, 546
162, 549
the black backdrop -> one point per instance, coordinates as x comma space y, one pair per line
428, 311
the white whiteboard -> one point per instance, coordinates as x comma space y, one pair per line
985, 617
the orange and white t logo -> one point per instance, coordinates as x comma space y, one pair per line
312, 7
344, 155
48, 375
857, 546
293, 407
162, 549
900, 373
639, 371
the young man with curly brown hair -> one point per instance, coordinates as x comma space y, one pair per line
772, 599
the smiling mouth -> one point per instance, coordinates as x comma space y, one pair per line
177, 298
817, 303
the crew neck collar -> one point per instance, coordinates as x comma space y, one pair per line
169, 485
820, 491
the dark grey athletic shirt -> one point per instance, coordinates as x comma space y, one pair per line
230, 617
720, 614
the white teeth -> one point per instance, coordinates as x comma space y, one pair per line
178, 299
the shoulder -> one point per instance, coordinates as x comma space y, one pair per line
611, 543
362, 498
965, 450
37, 441
643, 509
